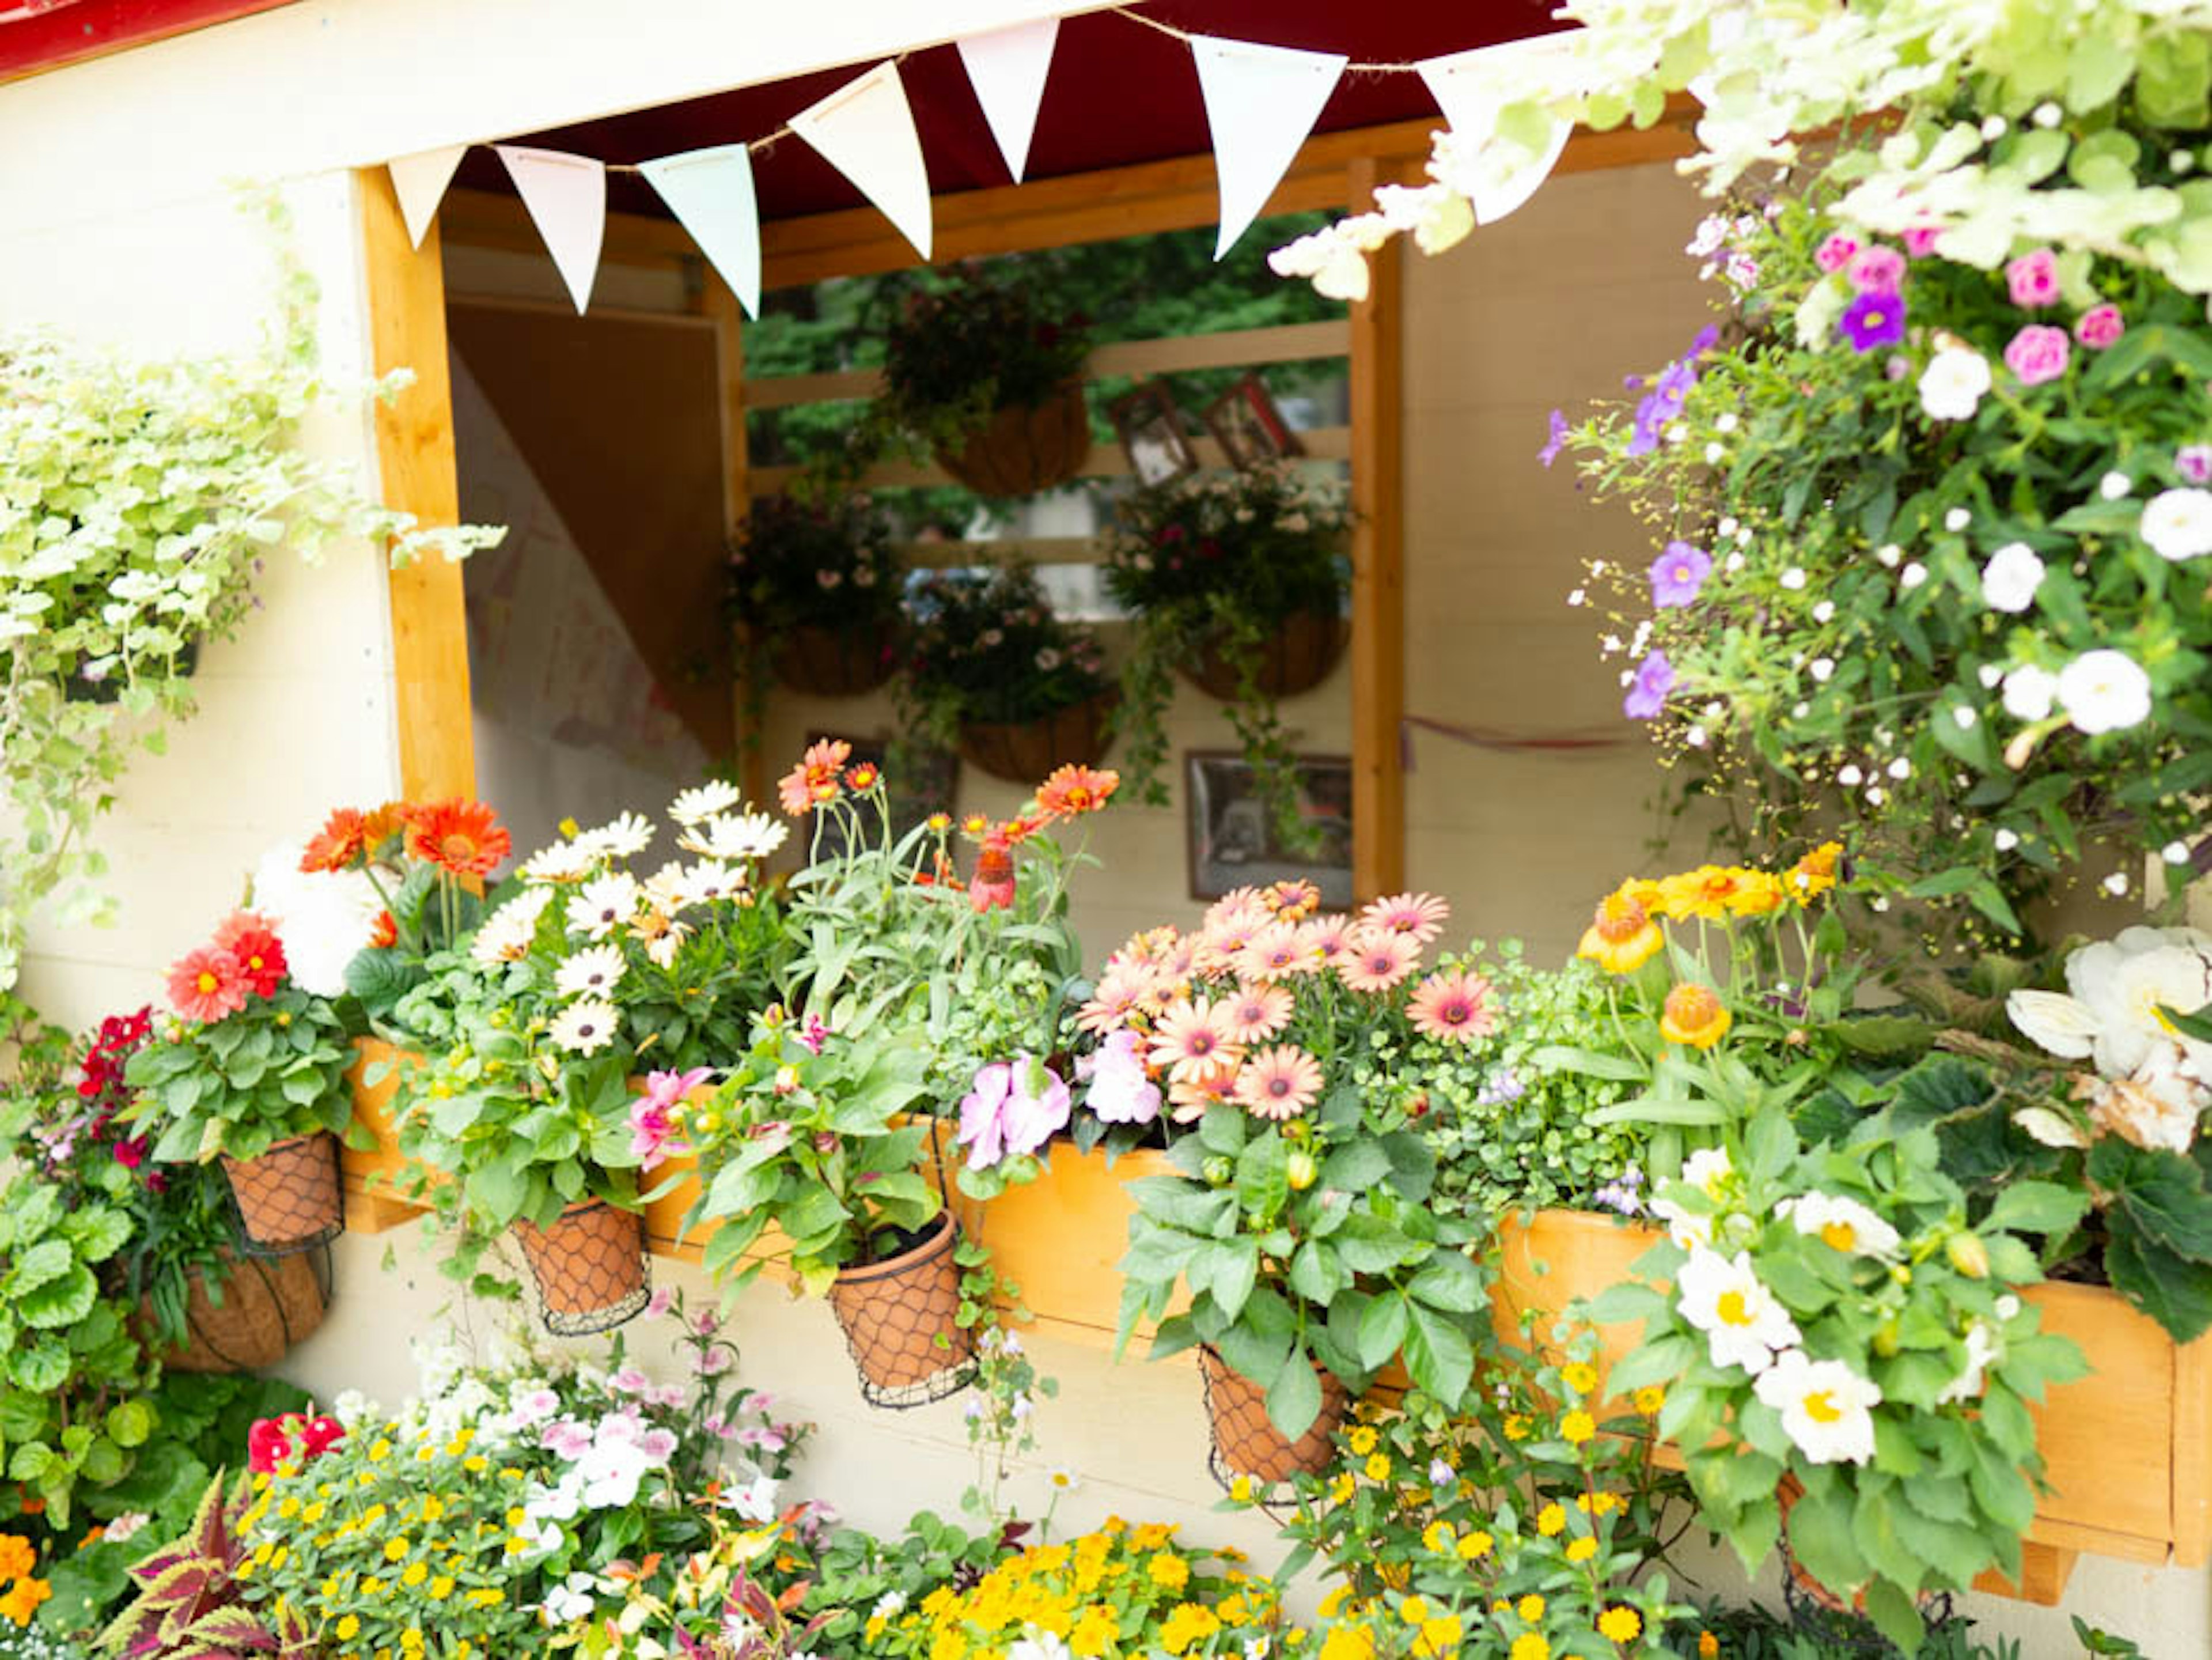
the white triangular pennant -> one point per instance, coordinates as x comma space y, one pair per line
711, 193
567, 196
420, 182
1471, 88
1260, 103
865, 131
1007, 67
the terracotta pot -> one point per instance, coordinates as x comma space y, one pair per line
1019, 451
893, 1312
589, 1266
820, 662
269, 1305
1296, 658
1245, 1440
289, 1199
1024, 752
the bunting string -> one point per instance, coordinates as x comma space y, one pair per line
1353, 67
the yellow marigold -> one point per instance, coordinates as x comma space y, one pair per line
1377, 1466
396, 1549
20, 1604
1579, 1376
948, 1645
1650, 1399
1620, 1624
1530, 1607
1815, 874
1340, 1487
415, 1573
1577, 1427
1189, 1623
1582, 1549
1622, 937
1759, 895
1332, 1604
1694, 1015
1516, 1426
1362, 1440
1352, 1640
1475, 1545
1168, 1570
1437, 1537
1551, 1521
1530, 1645
1440, 1637
1413, 1610
348, 1627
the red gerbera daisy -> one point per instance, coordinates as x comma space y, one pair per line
254, 946
463, 837
206, 985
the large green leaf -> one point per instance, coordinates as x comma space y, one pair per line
1439, 1356
43, 1263
2174, 1291
60, 1302
1294, 1398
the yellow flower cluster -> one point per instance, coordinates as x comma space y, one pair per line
1119, 1592
17, 1560
1625, 933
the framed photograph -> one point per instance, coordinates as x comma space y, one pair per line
1152, 433
1230, 834
1248, 426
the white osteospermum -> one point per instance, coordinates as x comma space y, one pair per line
2104, 690
506, 932
603, 904
1743, 1323
591, 972
564, 861
716, 795
731, 839
1843, 1224
1982, 1349
2012, 576
1953, 384
706, 881
1825, 1407
324, 918
586, 1027
624, 836
2029, 692
2177, 523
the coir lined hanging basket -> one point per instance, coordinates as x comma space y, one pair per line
268, 1306
589, 1266
1019, 451
1296, 658
818, 662
1022, 752
289, 1199
901, 1320
1245, 1440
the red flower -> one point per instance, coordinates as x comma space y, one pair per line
207, 984
157, 1182
253, 945
1074, 789
321, 1434
991, 887
340, 841
131, 1153
384, 931
463, 837
266, 1446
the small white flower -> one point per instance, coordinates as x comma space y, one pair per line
2114, 485
505, 934
1708, 1170
2029, 692
1725, 422
1965, 717
2175, 852
1912, 576
1824, 1406
2117, 884
2047, 115
1799, 711
2104, 690
1743, 536
2012, 576
2006, 840
1728, 525
1957, 519
1953, 384
1982, 1347
1900, 768
1989, 674
626, 836
1732, 563
587, 1027
1994, 127
1578, 597
1063, 1480
591, 972
1889, 553
1716, 453
603, 904
1793, 578
1743, 1323
1695, 737
1876, 795
2181, 161
733, 839
1821, 668
2177, 523
1824, 611
715, 795
1851, 777
564, 861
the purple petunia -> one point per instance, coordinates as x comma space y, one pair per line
1677, 575
1647, 695
2194, 463
1670, 390
1873, 321
1550, 453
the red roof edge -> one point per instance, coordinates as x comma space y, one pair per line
63, 32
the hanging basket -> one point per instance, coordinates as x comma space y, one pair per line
1298, 657
1022, 752
818, 662
289, 1199
900, 1320
1019, 451
590, 1268
269, 1305
1245, 1440
1816, 1610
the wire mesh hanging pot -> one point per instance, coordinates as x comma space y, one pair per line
268, 1306
900, 1317
1818, 1612
289, 1199
590, 1268
1020, 450
821, 662
1245, 1440
1296, 658
1022, 751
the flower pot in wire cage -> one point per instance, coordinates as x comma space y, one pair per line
1245, 1440
1022, 751
289, 1199
589, 1266
900, 1317
820, 662
266, 1306
1818, 1612
1019, 451
1296, 658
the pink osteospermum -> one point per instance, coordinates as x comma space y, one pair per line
1454, 1007
1328, 939
1189, 1097
1219, 948
1192, 1037
1419, 915
1257, 1012
1279, 1083
1117, 996
1377, 962
1243, 902
1274, 953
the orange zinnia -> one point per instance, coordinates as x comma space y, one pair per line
1073, 789
1694, 1015
463, 837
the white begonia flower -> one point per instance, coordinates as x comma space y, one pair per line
2124, 982
506, 932
2157, 1111
716, 795
591, 972
2053, 1022
2177, 523
2012, 576
1824, 1406
2114, 485
323, 918
1708, 1170
2030, 692
2051, 1128
1913, 575
586, 1027
1743, 1323
1841, 1225
2104, 690
1953, 384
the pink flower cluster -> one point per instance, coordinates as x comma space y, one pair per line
2041, 351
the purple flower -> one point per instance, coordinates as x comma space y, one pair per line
2032, 279
1701, 342
2038, 353
1000, 1117
657, 1305
1647, 696
1550, 453
1871, 320
2099, 326
2194, 463
1876, 270
1677, 575
1504, 1086
813, 1035
1835, 251
983, 1130
1623, 1193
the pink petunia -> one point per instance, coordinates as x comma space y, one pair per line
2099, 326
1836, 251
2038, 353
2032, 279
1920, 241
1876, 270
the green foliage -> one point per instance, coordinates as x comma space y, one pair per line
968, 344
820, 559
236, 1086
985, 647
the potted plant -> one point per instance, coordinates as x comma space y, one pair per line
534, 1027
990, 670
1238, 580
251, 1069
815, 587
988, 377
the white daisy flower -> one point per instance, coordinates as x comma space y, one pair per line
624, 836
564, 861
591, 972
1743, 1323
734, 838
603, 904
505, 934
663, 947
2177, 523
707, 881
587, 1027
2104, 691
1824, 1406
1841, 1225
2010, 579
704, 801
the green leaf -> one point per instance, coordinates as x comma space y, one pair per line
1234, 1266
2160, 1194
2174, 1291
1294, 1398
1451, 1282
1439, 1357
1222, 1130
2043, 1207
1263, 1176
44, 1262
41, 1365
1315, 1273
60, 1302
1382, 1329
131, 1423
1355, 1167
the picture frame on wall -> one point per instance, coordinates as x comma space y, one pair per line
1249, 428
1151, 429
1231, 838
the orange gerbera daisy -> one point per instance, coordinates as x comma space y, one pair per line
1073, 789
254, 946
863, 777
1191, 1037
337, 844
1622, 937
1694, 1015
463, 837
1454, 1007
1279, 1083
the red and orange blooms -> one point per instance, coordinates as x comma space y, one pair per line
462, 838
245, 960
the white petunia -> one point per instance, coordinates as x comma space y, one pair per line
603, 904
731, 839
2012, 576
591, 972
587, 1027
714, 796
624, 836
506, 932
2177, 523
1953, 384
2029, 692
2104, 690
1743, 1323
1824, 1406
1841, 1225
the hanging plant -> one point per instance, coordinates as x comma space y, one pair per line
1238, 580
814, 586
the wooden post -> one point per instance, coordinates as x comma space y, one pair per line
720, 303
1378, 614
415, 462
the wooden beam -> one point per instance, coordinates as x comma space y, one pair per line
406, 290
2044, 1571
1320, 444
1378, 593
2192, 1450
719, 305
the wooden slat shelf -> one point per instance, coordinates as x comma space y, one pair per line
1320, 444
